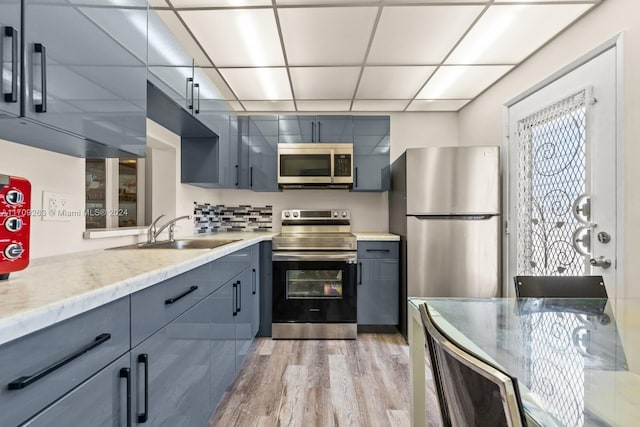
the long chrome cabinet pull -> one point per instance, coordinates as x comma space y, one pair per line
197, 110
144, 359
179, 297
42, 50
13, 95
126, 374
22, 382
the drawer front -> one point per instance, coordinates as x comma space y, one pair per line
227, 267
378, 250
49, 363
157, 305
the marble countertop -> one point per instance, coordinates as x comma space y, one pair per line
56, 288
374, 236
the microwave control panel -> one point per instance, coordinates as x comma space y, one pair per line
342, 165
15, 224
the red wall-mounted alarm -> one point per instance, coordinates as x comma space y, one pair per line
15, 223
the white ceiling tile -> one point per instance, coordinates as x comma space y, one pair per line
483, 2
258, 83
437, 104
507, 34
392, 82
324, 82
181, 34
236, 106
237, 38
379, 105
326, 36
419, 34
158, 3
546, 1
216, 80
218, 3
269, 105
461, 82
318, 2
331, 105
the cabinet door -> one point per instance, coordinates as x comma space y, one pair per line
10, 36
371, 153
263, 153
104, 400
244, 315
378, 292
334, 129
171, 371
255, 288
85, 69
223, 341
293, 129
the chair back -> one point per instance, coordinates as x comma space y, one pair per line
474, 392
560, 287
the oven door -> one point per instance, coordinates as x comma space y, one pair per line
314, 288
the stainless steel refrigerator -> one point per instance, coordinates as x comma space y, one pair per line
445, 204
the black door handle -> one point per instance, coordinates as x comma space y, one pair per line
313, 131
360, 275
189, 90
179, 297
251, 177
237, 175
13, 95
253, 285
144, 359
25, 381
355, 181
42, 50
235, 298
377, 250
319, 136
126, 374
197, 86
239, 296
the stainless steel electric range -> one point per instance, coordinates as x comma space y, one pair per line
314, 276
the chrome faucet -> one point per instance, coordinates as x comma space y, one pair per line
153, 233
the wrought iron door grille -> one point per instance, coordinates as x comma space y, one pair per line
552, 157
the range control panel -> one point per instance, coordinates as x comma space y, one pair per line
15, 224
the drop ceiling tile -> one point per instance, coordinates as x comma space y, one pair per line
324, 82
419, 34
483, 2
326, 36
379, 105
236, 106
392, 82
462, 82
237, 38
437, 104
181, 35
318, 2
332, 105
218, 3
269, 105
258, 83
212, 85
158, 3
507, 34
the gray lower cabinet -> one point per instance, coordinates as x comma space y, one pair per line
223, 341
378, 283
104, 400
255, 288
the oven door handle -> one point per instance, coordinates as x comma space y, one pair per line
348, 257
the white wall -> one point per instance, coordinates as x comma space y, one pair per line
480, 122
409, 130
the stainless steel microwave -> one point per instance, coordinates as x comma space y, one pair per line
316, 165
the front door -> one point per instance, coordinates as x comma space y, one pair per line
562, 202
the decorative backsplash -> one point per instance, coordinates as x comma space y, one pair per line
210, 218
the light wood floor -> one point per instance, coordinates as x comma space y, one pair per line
322, 383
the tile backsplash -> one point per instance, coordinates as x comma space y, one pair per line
208, 218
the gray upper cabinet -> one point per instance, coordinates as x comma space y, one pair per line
263, 153
10, 36
325, 128
371, 153
85, 70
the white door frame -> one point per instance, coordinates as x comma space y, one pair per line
510, 223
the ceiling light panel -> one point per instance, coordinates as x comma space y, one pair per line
182, 36
392, 82
379, 105
326, 36
187, 4
319, 2
258, 83
437, 104
324, 82
237, 38
211, 81
330, 105
419, 34
462, 82
269, 105
507, 34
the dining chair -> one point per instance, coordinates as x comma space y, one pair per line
471, 391
560, 287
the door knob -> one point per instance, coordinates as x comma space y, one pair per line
600, 262
604, 237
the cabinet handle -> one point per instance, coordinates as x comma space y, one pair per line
22, 382
189, 90
319, 137
13, 95
237, 175
253, 287
239, 299
360, 275
197, 86
42, 50
251, 177
355, 177
126, 374
235, 298
377, 250
144, 359
313, 131
179, 297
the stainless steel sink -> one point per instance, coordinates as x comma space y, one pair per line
181, 244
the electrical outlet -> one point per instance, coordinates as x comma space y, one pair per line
56, 206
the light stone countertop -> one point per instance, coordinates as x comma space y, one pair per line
376, 236
56, 288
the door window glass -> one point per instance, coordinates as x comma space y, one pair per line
314, 284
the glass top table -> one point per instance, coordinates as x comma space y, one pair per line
577, 361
